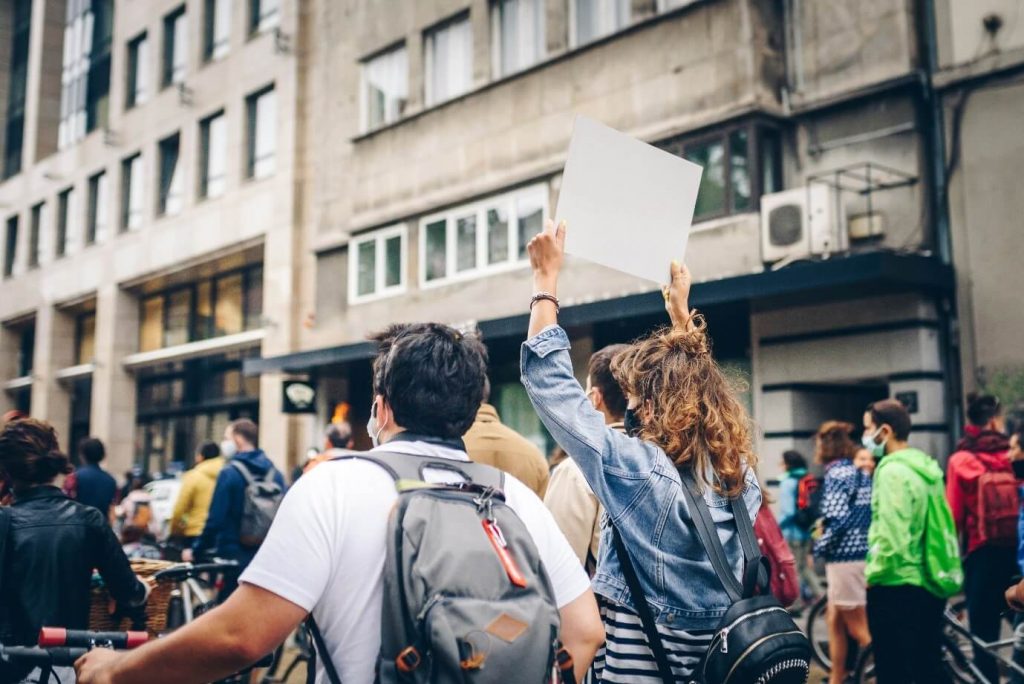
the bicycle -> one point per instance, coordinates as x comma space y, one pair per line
58, 647
817, 633
194, 595
956, 658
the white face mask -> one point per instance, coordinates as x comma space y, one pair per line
372, 428
228, 448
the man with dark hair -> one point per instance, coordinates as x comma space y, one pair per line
222, 532
979, 478
338, 436
94, 486
570, 499
325, 553
492, 442
913, 564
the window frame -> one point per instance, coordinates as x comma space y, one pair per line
364, 102
214, 51
170, 48
430, 99
164, 194
93, 193
574, 38
80, 320
498, 70
203, 180
130, 179
380, 236
755, 129
11, 234
251, 125
136, 66
37, 213
63, 222
260, 23
478, 209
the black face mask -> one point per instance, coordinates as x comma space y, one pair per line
632, 422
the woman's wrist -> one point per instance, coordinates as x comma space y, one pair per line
545, 283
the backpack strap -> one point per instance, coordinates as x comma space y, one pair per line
403, 466
323, 653
643, 610
246, 473
709, 539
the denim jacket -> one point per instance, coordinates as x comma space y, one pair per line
641, 491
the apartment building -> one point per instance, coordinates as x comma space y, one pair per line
147, 206
821, 262
417, 145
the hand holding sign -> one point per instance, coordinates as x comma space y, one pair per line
630, 204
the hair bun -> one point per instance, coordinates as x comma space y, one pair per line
692, 342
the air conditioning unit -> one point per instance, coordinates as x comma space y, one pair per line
801, 222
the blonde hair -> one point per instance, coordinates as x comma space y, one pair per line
695, 416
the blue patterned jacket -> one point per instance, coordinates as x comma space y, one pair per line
845, 513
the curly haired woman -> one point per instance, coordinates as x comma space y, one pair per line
843, 545
685, 421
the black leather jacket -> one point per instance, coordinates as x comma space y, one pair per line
53, 545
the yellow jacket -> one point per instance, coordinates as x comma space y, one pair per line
491, 442
193, 502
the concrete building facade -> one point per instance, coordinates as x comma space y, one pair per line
419, 144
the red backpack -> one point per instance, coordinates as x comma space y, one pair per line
998, 507
785, 582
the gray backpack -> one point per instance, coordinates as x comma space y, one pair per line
259, 505
466, 598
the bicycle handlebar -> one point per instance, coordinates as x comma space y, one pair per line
184, 571
50, 637
42, 657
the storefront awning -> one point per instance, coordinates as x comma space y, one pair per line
838, 277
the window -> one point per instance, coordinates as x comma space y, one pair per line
132, 180
96, 220
212, 155
175, 47
449, 60
11, 246
517, 35
740, 164
376, 264
385, 88
486, 236
26, 350
34, 230
17, 82
171, 183
216, 29
85, 74
65, 210
85, 337
261, 113
137, 91
227, 304
593, 19
263, 15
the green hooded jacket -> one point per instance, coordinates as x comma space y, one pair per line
912, 539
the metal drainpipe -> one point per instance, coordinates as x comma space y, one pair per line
949, 328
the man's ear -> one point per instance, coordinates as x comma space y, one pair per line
598, 398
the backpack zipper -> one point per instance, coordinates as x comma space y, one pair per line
779, 668
723, 633
747, 652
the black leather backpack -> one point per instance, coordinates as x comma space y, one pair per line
757, 641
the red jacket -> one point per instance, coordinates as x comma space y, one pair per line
979, 452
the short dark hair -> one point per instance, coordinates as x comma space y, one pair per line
432, 377
246, 429
794, 460
92, 450
338, 434
600, 371
892, 413
981, 408
30, 454
209, 450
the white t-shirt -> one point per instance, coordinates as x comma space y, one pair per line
325, 552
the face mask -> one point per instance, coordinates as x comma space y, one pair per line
632, 422
877, 450
228, 448
372, 428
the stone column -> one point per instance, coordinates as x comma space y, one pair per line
43, 91
113, 388
55, 349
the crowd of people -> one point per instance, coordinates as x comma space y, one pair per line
657, 444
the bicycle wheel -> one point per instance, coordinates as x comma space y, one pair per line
817, 632
864, 673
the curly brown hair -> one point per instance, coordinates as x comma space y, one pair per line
691, 408
833, 441
30, 454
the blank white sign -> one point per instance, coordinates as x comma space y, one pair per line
627, 204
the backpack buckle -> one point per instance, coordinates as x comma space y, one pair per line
408, 659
